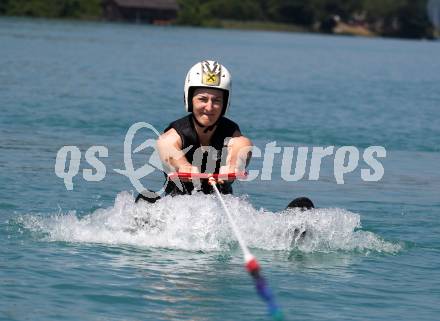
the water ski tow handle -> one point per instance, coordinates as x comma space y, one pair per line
251, 262
227, 176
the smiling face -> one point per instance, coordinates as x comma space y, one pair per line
207, 105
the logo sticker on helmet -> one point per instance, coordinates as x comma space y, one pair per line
211, 73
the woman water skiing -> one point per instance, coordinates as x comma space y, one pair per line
204, 140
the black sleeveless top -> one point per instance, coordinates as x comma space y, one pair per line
207, 161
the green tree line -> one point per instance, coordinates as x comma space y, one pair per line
396, 18
80, 9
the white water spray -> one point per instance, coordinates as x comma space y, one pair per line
196, 223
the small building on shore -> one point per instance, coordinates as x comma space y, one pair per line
141, 11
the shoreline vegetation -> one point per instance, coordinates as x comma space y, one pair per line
339, 29
371, 18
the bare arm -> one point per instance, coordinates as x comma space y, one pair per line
239, 153
169, 146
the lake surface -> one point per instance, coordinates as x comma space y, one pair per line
371, 250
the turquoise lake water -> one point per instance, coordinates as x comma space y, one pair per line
372, 249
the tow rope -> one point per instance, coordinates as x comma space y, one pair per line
252, 265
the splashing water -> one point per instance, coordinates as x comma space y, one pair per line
197, 222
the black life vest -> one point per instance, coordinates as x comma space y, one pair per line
209, 161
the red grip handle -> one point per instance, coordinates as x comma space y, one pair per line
230, 176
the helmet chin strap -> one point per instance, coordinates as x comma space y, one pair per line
206, 128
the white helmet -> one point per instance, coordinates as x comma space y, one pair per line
207, 74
